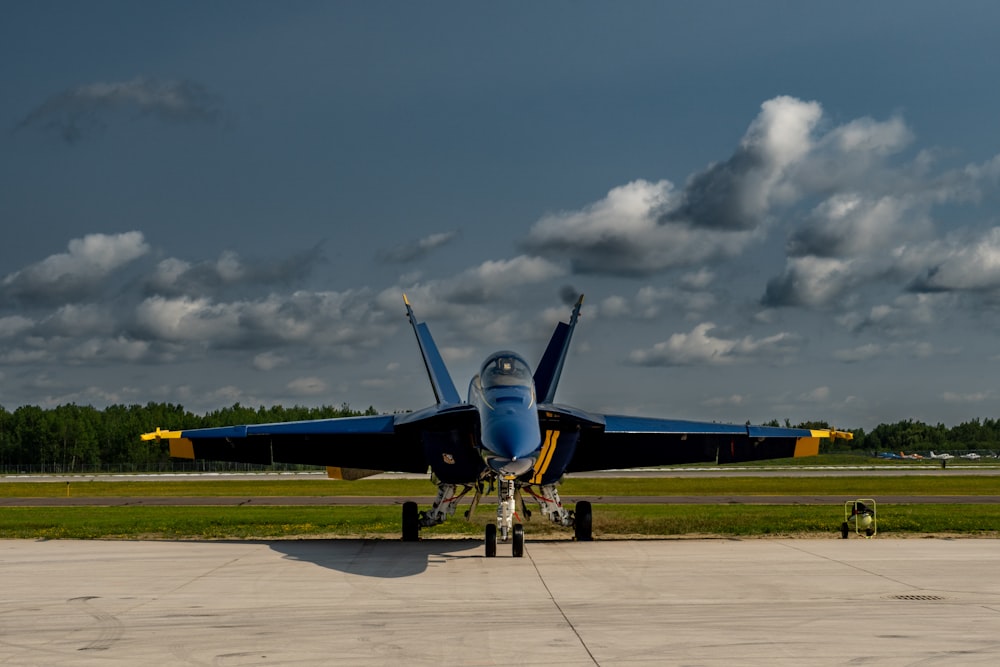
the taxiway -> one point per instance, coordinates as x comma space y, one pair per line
439, 602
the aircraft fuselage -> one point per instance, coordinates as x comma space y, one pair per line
504, 395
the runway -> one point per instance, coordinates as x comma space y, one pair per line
439, 602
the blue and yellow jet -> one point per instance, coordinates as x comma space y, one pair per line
509, 435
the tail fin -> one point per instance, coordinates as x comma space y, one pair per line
550, 367
437, 372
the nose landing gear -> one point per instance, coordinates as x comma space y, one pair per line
506, 491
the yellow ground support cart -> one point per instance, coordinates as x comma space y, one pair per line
859, 516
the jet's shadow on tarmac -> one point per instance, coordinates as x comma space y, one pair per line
385, 559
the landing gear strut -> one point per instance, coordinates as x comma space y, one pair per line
506, 502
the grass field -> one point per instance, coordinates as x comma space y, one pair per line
610, 521
872, 486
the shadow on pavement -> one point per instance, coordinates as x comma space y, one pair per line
386, 559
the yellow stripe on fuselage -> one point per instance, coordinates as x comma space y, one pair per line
548, 449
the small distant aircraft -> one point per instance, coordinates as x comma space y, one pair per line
972, 456
509, 435
943, 456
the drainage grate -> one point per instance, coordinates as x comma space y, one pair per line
917, 597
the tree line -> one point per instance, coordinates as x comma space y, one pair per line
912, 436
74, 438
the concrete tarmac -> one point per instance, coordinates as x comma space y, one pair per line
440, 602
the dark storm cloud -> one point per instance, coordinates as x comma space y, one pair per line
78, 112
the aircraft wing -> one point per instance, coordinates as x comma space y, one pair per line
618, 441
352, 444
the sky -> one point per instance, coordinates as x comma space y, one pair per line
775, 210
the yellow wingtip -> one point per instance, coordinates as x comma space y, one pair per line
160, 434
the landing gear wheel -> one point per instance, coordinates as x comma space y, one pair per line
491, 540
411, 524
518, 547
583, 520
844, 530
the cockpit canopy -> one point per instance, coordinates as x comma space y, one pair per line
505, 369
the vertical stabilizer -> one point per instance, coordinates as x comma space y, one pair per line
437, 372
550, 367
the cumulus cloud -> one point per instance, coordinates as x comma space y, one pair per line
870, 351
78, 112
14, 325
858, 211
958, 266
307, 386
267, 361
410, 252
339, 324
649, 302
490, 280
173, 277
858, 354
810, 281
624, 234
738, 194
77, 273
849, 224
119, 348
973, 398
782, 162
817, 395
700, 347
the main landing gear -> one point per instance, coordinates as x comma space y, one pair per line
506, 492
581, 520
504, 530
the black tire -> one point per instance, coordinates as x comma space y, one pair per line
844, 530
869, 532
411, 522
518, 546
491, 540
583, 520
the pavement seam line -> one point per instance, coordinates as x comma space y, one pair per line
548, 592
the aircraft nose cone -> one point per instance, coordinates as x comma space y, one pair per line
512, 438
510, 467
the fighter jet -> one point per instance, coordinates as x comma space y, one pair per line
508, 437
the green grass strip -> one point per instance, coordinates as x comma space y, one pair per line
849, 487
610, 521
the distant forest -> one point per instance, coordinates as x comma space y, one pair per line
73, 438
